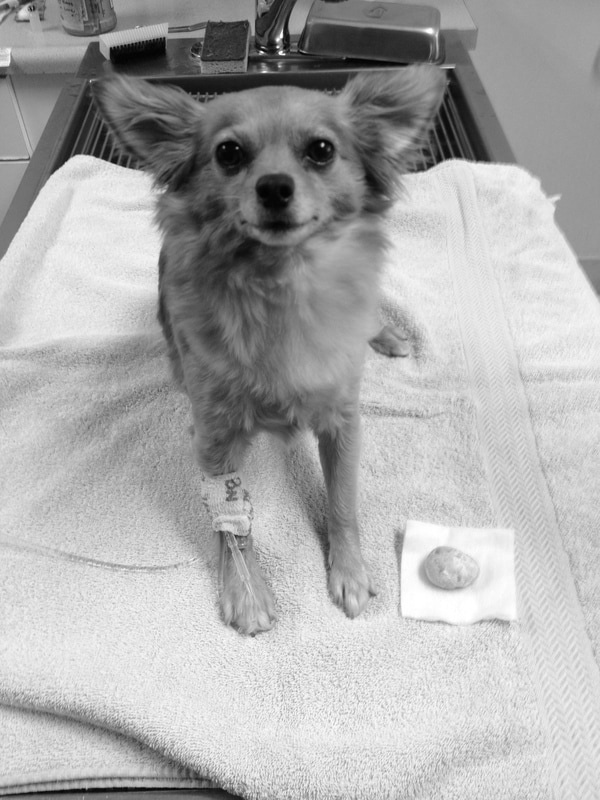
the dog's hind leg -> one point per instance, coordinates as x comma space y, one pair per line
350, 582
390, 341
167, 329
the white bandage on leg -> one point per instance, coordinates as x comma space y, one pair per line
228, 503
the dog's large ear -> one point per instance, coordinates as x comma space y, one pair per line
389, 115
159, 125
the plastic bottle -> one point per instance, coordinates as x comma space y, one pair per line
87, 17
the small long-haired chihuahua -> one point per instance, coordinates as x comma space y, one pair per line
271, 215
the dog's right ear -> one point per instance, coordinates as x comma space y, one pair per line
159, 125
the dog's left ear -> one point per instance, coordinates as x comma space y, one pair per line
389, 114
159, 125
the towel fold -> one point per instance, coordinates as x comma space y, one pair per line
112, 650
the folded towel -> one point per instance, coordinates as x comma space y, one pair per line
491, 596
112, 650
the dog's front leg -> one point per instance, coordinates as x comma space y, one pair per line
246, 600
350, 583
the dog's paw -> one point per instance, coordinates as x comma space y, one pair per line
390, 341
350, 584
248, 609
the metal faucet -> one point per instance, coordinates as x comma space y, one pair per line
271, 32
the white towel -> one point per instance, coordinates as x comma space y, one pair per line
112, 651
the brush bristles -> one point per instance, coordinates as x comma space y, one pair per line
134, 42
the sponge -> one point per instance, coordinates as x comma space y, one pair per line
225, 47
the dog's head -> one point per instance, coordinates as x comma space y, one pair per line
277, 164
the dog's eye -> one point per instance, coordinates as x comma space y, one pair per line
320, 151
229, 155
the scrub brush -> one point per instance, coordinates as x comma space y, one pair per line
147, 40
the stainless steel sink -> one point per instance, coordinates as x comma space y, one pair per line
466, 126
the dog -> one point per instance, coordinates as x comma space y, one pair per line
271, 208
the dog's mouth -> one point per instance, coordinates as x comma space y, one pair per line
280, 226
279, 232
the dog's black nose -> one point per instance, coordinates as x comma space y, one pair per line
275, 190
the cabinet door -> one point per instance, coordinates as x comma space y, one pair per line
36, 97
11, 173
13, 139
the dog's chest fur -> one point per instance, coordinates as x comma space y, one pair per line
283, 330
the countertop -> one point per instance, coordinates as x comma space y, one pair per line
55, 51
